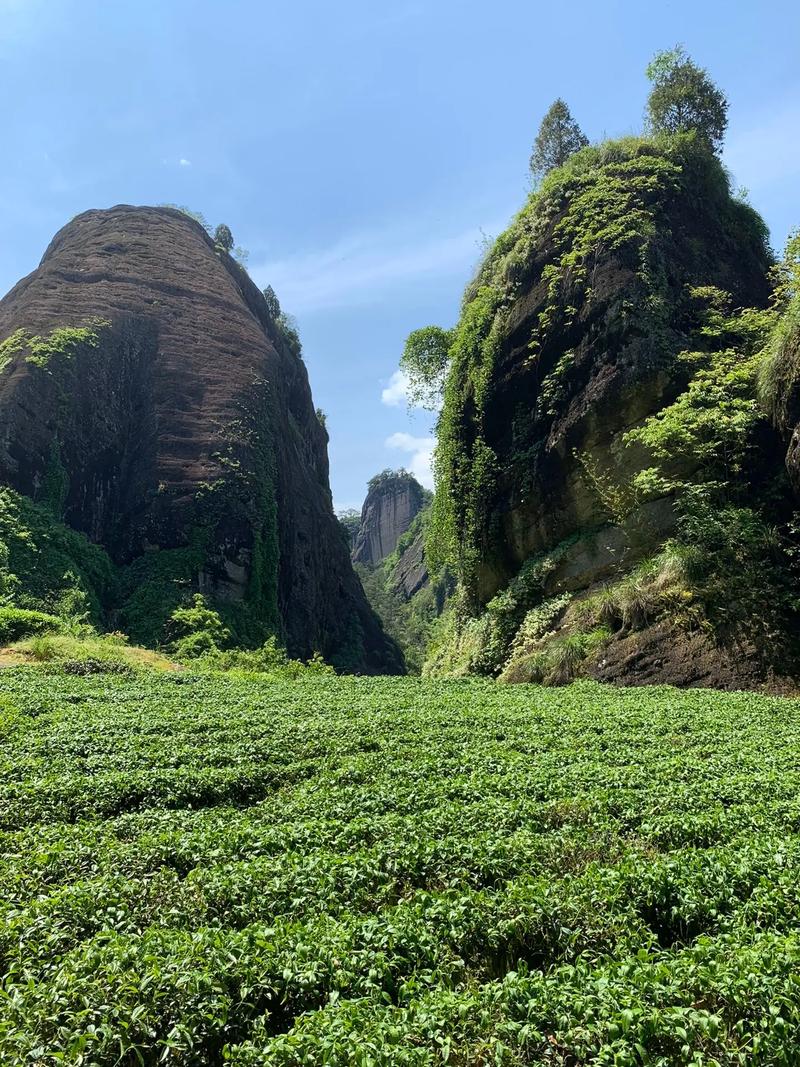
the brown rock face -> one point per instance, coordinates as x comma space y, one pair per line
393, 501
186, 420
556, 423
411, 573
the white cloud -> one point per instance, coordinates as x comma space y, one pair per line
396, 392
185, 162
421, 452
358, 269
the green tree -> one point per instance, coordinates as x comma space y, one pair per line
559, 137
425, 361
223, 237
273, 304
196, 629
350, 521
685, 98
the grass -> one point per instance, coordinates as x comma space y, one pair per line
557, 637
99, 651
207, 869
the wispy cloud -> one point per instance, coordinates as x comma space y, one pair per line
357, 270
396, 392
768, 149
420, 450
184, 162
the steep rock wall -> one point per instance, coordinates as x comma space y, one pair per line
391, 505
611, 296
180, 432
569, 338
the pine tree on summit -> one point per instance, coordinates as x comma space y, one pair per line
559, 137
685, 98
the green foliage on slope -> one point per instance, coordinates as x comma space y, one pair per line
389, 871
60, 345
779, 373
43, 561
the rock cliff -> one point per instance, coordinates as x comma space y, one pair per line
600, 405
392, 503
149, 400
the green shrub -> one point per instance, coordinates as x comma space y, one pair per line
42, 560
16, 623
653, 587
42, 649
779, 372
559, 661
269, 659
196, 629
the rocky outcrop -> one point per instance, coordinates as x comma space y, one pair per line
147, 396
393, 501
609, 299
562, 397
410, 573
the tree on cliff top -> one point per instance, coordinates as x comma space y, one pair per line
425, 360
223, 237
559, 137
273, 304
685, 98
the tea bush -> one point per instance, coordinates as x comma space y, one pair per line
207, 869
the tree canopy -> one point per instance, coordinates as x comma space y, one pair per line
685, 98
425, 361
223, 237
273, 304
559, 137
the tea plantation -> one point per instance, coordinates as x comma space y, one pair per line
212, 870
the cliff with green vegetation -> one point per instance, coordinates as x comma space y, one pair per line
393, 525
610, 493
394, 499
152, 401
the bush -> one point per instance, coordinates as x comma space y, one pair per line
269, 659
223, 238
16, 623
560, 660
194, 645
655, 586
196, 629
42, 649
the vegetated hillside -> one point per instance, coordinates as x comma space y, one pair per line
389, 558
610, 494
395, 871
149, 400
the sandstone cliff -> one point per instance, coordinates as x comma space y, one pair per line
393, 501
600, 405
148, 398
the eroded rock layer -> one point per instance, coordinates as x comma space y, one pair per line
146, 394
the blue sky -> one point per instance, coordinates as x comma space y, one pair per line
359, 151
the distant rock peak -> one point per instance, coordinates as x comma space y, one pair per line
393, 501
